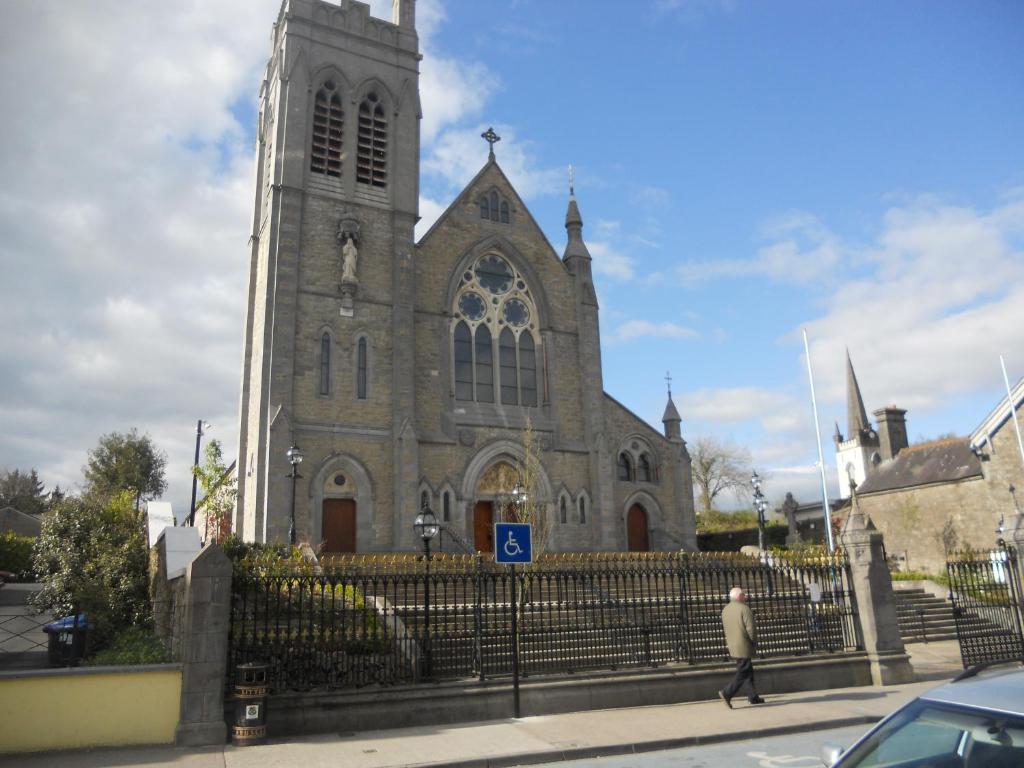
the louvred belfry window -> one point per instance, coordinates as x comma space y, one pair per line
372, 157
325, 155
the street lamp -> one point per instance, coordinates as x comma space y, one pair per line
426, 528
519, 499
760, 505
294, 458
200, 426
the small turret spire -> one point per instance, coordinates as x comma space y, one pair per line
575, 248
572, 182
671, 418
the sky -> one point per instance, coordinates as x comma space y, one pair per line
745, 170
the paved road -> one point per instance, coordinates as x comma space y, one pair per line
802, 750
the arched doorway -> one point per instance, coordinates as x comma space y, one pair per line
338, 528
338, 522
483, 526
636, 529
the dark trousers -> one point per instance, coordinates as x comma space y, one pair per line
744, 674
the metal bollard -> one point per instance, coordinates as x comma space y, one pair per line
250, 705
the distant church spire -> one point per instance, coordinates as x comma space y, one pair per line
856, 416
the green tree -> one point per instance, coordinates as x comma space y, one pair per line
91, 556
220, 490
23, 491
718, 466
127, 462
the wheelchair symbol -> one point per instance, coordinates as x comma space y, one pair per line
512, 547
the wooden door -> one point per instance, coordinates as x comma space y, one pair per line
483, 526
339, 525
636, 529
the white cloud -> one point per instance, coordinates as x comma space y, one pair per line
607, 260
458, 154
944, 296
635, 329
732, 404
802, 251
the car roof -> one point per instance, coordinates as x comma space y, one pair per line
994, 690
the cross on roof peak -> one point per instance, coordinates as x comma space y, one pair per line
491, 138
668, 381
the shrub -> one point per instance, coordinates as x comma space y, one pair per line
91, 556
16, 556
135, 645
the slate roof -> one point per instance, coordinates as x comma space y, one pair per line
939, 461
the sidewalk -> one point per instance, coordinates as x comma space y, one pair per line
532, 740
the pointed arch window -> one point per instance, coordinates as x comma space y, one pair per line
495, 348
504, 213
424, 499
494, 205
563, 511
625, 467
644, 471
328, 121
361, 366
485, 207
325, 364
463, 363
484, 366
372, 154
446, 507
528, 369
507, 357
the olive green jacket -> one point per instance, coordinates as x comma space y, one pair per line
740, 632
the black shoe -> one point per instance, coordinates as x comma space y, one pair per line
755, 699
726, 699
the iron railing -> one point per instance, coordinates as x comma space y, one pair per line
363, 621
985, 590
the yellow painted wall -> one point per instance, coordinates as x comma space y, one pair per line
88, 708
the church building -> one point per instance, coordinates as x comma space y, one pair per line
411, 374
936, 496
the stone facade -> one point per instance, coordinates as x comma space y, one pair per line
351, 347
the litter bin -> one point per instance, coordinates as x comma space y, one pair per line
67, 640
251, 688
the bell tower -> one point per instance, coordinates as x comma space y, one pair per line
328, 356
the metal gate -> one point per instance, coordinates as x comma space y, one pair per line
986, 594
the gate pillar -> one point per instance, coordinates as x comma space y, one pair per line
1015, 537
876, 604
204, 650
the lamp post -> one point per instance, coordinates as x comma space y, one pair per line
200, 426
519, 499
294, 455
760, 505
426, 528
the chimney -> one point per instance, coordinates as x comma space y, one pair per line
892, 431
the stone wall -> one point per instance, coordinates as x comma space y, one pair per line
922, 523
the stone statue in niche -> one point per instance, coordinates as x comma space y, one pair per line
349, 262
348, 235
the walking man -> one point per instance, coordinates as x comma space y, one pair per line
741, 637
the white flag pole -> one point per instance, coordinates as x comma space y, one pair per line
1013, 408
821, 456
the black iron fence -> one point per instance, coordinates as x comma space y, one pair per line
363, 621
986, 592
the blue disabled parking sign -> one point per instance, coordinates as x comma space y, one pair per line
513, 543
